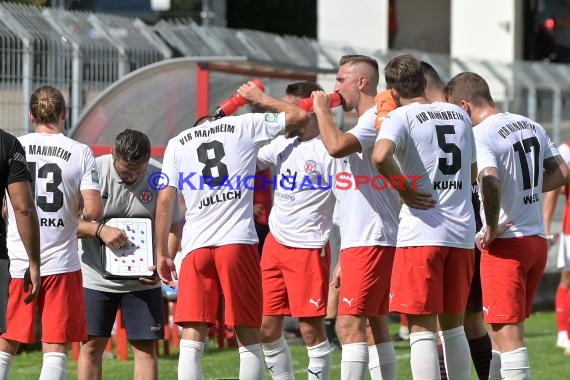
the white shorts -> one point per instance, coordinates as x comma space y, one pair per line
563, 260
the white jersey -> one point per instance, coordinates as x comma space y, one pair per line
303, 200
517, 147
434, 142
61, 168
368, 216
213, 165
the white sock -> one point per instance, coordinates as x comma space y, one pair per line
456, 353
251, 363
353, 362
278, 359
382, 361
319, 361
495, 366
54, 366
190, 360
5, 364
424, 360
515, 364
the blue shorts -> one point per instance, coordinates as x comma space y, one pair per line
143, 313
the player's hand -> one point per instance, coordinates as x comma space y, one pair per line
114, 238
150, 281
166, 270
385, 103
258, 209
321, 101
481, 234
417, 199
336, 277
489, 235
552, 239
32, 277
250, 92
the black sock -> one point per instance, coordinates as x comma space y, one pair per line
481, 355
441, 358
330, 330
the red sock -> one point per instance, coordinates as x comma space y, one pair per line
403, 320
566, 307
560, 304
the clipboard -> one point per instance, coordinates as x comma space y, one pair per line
131, 262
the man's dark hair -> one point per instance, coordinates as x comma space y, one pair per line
302, 89
405, 75
432, 77
132, 146
470, 87
357, 58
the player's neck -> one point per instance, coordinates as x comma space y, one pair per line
366, 102
481, 113
310, 131
47, 128
417, 99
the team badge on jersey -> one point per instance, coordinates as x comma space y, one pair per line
145, 196
310, 166
271, 117
94, 176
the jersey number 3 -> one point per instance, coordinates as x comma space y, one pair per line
51, 187
213, 160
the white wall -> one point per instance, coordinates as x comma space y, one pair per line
361, 23
423, 25
487, 29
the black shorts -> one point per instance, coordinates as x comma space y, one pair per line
475, 299
143, 313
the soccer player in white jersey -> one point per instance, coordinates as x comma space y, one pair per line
213, 165
517, 162
65, 177
368, 226
434, 259
296, 257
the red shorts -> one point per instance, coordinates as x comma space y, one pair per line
510, 272
295, 280
431, 280
231, 270
365, 280
61, 308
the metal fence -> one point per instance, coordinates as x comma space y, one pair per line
82, 53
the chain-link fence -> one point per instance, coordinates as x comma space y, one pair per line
82, 53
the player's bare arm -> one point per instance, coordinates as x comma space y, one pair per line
174, 238
295, 117
112, 237
162, 225
338, 143
28, 227
383, 159
92, 204
491, 197
556, 173
474, 172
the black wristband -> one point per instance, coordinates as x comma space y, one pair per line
98, 231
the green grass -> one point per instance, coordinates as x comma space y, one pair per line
547, 361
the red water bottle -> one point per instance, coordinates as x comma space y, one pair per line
307, 103
230, 105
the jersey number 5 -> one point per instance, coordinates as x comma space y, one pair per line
450, 148
522, 149
213, 161
51, 187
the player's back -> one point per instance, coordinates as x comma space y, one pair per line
58, 166
517, 147
210, 164
435, 143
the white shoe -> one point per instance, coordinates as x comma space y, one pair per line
563, 341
